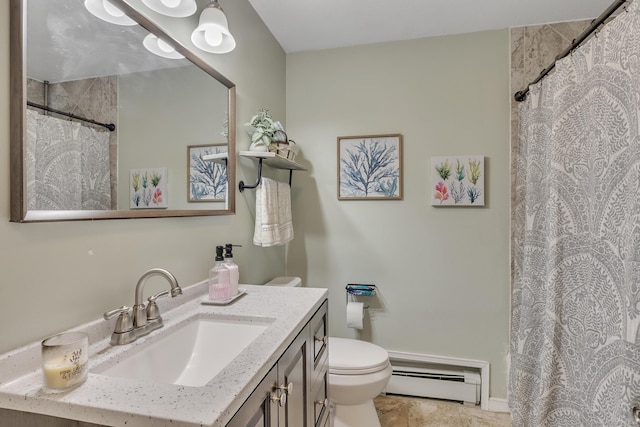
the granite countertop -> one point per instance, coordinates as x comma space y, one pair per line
116, 401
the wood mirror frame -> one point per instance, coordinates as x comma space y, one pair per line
18, 100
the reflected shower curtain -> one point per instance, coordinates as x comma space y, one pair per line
67, 165
575, 344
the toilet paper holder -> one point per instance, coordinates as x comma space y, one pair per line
356, 289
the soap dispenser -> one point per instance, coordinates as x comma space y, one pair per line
219, 287
234, 272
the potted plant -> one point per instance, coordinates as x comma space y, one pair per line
262, 130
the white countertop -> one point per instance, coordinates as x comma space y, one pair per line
115, 401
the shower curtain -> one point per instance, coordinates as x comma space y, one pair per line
67, 165
575, 339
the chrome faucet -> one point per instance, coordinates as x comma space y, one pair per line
145, 318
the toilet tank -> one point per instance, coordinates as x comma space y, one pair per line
285, 281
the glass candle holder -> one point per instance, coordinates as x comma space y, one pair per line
65, 360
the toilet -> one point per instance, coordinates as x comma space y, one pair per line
358, 372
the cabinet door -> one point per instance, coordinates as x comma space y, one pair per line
292, 381
260, 409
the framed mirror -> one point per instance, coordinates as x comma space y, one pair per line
101, 128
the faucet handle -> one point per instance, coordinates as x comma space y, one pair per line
124, 322
109, 314
153, 312
153, 298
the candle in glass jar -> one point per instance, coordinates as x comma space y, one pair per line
64, 361
62, 374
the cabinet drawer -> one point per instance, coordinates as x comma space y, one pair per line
321, 400
319, 328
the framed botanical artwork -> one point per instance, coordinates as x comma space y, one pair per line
457, 181
370, 167
207, 180
148, 188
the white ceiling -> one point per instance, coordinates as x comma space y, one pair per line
303, 25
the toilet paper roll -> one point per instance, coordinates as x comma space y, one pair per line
355, 314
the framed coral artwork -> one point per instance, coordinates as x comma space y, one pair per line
457, 181
148, 188
207, 180
370, 167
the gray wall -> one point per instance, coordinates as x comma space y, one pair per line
57, 275
443, 273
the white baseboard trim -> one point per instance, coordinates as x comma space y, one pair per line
498, 405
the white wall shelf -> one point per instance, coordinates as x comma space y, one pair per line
271, 159
216, 158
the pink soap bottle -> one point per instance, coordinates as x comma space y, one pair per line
234, 274
219, 287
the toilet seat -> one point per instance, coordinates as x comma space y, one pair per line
353, 357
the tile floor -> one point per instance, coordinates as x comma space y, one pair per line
403, 411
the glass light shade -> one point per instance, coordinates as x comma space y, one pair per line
175, 8
159, 47
212, 34
108, 12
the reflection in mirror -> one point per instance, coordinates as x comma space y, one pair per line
109, 125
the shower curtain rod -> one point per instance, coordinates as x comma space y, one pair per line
521, 95
109, 126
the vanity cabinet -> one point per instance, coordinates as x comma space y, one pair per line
295, 391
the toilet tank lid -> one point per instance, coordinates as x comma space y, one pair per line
285, 281
349, 356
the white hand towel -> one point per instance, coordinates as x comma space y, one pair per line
273, 214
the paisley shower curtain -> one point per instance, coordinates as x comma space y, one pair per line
575, 330
67, 165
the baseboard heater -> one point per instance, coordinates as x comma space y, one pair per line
437, 381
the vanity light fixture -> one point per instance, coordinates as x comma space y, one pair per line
159, 47
108, 12
212, 34
175, 8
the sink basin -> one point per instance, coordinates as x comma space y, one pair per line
192, 354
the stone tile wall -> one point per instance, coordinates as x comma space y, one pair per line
533, 49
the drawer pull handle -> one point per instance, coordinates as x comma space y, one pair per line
323, 339
323, 402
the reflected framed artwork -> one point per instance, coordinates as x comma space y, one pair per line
370, 167
207, 179
148, 188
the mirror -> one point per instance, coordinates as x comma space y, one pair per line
167, 113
